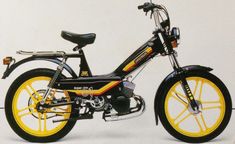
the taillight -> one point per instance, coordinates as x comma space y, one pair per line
7, 60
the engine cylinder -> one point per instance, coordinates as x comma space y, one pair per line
121, 104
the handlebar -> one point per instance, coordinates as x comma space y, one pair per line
140, 7
155, 11
147, 6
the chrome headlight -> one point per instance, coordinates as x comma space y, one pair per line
175, 32
175, 35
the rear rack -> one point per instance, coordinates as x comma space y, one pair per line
42, 53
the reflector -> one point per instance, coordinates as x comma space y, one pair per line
7, 60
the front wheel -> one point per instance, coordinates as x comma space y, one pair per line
215, 107
23, 115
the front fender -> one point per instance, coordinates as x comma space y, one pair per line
57, 61
161, 89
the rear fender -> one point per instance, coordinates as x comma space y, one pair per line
172, 75
57, 61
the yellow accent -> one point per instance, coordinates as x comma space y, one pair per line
149, 50
31, 125
96, 92
84, 73
130, 65
184, 116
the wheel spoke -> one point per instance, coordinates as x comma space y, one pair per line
210, 102
45, 121
195, 89
200, 91
198, 123
31, 96
35, 92
207, 105
28, 113
39, 122
180, 114
212, 107
201, 123
184, 118
27, 108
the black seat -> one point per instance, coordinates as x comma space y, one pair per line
80, 39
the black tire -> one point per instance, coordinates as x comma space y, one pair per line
9, 110
213, 134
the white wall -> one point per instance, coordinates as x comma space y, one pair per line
207, 38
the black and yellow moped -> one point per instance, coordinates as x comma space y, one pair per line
43, 105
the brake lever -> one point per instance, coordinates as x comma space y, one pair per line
151, 15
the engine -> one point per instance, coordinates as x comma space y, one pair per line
121, 101
125, 104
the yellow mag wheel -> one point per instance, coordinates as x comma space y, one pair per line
214, 113
22, 108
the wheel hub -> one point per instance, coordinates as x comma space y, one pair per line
38, 107
196, 111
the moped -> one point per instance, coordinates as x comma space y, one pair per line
43, 105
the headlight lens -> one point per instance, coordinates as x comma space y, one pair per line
175, 32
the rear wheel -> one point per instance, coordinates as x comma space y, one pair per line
23, 114
215, 106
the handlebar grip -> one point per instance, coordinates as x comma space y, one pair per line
140, 7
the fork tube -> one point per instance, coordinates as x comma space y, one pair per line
174, 61
183, 81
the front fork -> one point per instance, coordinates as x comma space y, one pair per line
183, 81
